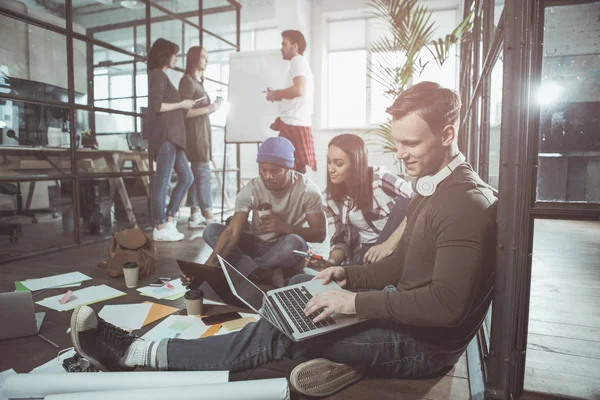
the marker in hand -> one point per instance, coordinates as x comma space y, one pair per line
307, 255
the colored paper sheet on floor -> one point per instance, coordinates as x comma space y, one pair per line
158, 311
19, 287
245, 316
177, 327
211, 331
56, 280
126, 316
89, 295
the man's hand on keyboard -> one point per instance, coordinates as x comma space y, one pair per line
331, 301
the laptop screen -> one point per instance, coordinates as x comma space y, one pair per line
244, 287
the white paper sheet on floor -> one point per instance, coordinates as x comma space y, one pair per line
126, 316
163, 291
263, 389
54, 366
177, 327
54, 281
26, 386
89, 295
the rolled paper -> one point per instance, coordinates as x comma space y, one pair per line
262, 389
26, 386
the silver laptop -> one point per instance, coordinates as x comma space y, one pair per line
283, 307
18, 315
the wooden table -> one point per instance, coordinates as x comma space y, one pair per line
24, 161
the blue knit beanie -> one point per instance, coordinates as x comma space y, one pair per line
277, 151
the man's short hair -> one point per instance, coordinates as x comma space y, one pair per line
296, 37
438, 106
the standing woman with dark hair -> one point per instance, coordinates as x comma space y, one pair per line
198, 135
166, 139
365, 206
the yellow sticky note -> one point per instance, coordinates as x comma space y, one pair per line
238, 323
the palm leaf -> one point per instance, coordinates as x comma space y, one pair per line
399, 54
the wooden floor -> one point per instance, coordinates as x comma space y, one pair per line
563, 352
26, 353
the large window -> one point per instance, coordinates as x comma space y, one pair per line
356, 100
73, 80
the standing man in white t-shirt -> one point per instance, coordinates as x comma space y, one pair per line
296, 102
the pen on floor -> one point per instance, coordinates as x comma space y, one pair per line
44, 338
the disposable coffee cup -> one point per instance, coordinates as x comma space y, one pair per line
194, 300
132, 273
264, 209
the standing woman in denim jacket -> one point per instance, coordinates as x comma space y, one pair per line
166, 141
198, 131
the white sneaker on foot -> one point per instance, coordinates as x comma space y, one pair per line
197, 221
167, 234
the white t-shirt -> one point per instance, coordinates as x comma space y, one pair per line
365, 232
298, 111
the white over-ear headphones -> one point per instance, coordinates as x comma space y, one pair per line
426, 185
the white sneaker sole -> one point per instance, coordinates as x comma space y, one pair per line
321, 377
76, 319
167, 240
200, 225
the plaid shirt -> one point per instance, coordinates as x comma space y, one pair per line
386, 188
302, 139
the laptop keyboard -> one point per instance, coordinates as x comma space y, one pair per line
294, 301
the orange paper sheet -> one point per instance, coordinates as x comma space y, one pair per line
211, 330
158, 311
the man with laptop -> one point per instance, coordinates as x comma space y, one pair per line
281, 200
422, 306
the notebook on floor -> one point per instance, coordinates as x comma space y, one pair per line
283, 307
18, 315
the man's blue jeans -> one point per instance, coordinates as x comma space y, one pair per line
380, 346
254, 255
201, 192
170, 157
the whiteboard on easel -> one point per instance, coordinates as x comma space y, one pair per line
249, 114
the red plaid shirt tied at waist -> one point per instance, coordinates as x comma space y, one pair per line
302, 139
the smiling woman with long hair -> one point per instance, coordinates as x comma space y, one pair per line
365, 206
198, 135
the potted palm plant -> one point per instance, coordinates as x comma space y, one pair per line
400, 54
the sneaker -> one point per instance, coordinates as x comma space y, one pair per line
102, 343
196, 221
323, 378
167, 234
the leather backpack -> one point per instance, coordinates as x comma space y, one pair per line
130, 245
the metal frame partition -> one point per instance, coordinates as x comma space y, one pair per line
75, 176
497, 361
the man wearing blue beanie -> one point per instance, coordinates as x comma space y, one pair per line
281, 200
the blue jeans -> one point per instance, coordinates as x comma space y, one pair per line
378, 345
170, 157
254, 256
201, 193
